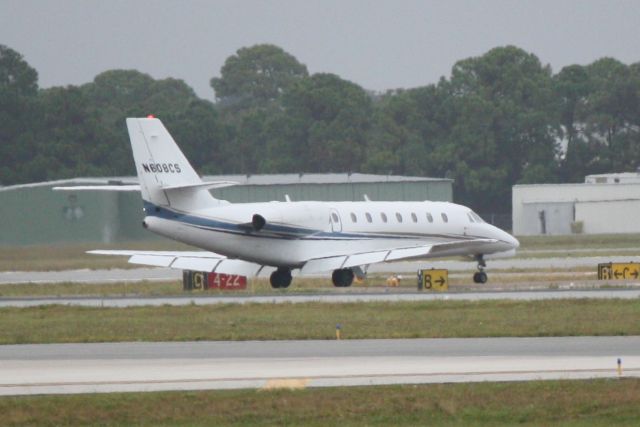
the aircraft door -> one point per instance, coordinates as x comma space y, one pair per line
336, 223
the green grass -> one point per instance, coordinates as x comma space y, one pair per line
580, 241
66, 289
572, 403
73, 256
430, 319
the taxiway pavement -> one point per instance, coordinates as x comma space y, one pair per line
163, 274
391, 296
111, 367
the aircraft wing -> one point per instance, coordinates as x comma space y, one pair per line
212, 262
186, 260
324, 264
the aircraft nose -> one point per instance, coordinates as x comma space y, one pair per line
511, 240
507, 238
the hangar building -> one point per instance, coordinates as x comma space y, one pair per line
34, 214
604, 204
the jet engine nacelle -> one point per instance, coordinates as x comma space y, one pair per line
299, 215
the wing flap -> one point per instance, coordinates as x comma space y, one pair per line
366, 258
153, 260
236, 266
321, 265
195, 264
405, 253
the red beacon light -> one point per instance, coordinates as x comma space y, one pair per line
151, 116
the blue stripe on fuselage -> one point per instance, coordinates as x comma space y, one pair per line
272, 230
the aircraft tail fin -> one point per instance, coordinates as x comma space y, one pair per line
166, 176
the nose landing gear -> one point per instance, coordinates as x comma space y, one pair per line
480, 276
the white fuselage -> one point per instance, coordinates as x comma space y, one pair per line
297, 231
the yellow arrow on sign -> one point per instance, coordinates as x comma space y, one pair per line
619, 271
622, 271
435, 279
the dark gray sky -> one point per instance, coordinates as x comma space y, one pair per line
378, 44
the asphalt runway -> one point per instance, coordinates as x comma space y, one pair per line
119, 367
391, 296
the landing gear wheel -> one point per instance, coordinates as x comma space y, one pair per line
342, 278
281, 278
480, 277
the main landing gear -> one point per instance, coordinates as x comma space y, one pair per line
281, 278
342, 278
480, 276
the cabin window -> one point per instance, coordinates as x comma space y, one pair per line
383, 216
335, 218
429, 217
398, 217
414, 217
444, 217
354, 218
368, 216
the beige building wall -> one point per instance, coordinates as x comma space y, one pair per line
602, 208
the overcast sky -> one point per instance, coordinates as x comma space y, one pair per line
378, 44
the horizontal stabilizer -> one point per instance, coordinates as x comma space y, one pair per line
208, 185
134, 187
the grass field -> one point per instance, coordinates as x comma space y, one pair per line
144, 288
580, 241
570, 403
73, 256
432, 319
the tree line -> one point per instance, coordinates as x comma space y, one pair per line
499, 119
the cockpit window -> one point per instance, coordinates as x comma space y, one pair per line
476, 217
470, 217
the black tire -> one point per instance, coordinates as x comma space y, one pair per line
342, 278
281, 278
480, 277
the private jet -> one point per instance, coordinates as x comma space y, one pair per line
278, 238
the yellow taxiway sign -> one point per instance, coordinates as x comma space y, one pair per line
433, 279
618, 271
